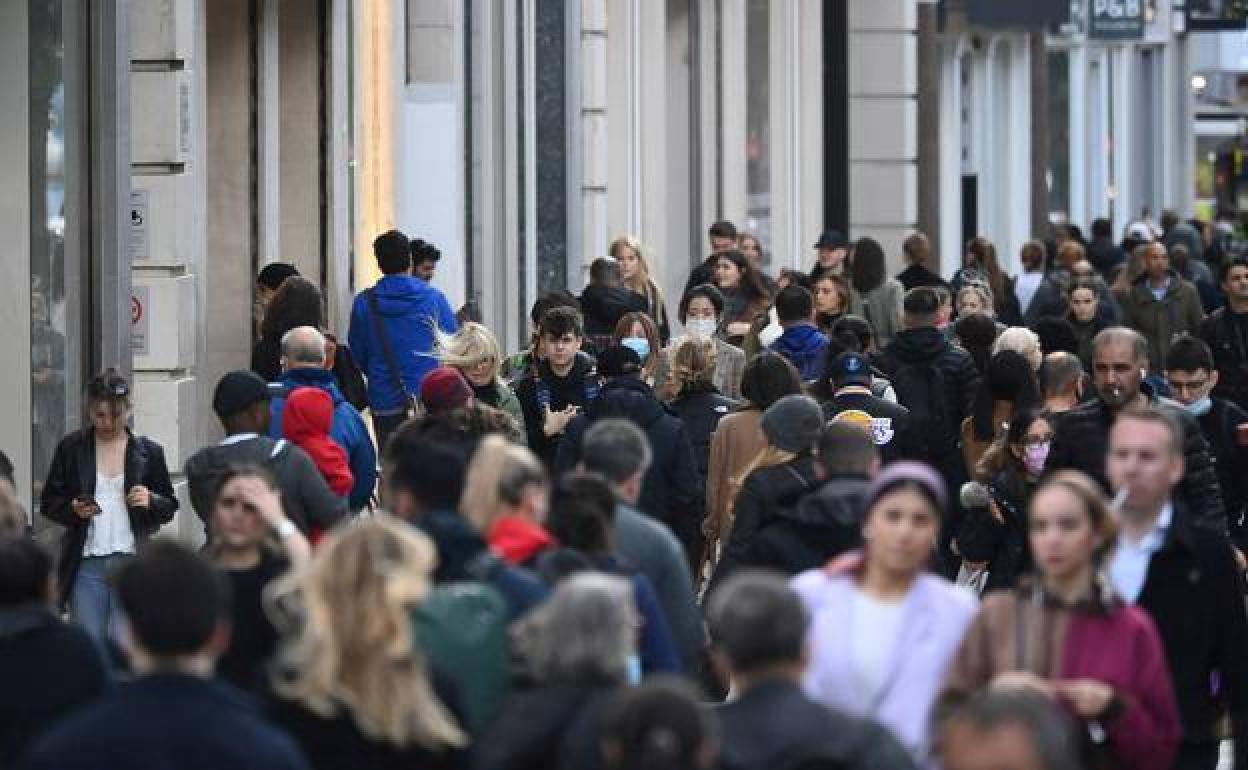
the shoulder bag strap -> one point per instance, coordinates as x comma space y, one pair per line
379, 329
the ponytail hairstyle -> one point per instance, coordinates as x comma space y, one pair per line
660, 725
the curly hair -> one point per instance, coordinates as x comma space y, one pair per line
693, 366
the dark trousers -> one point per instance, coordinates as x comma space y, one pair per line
383, 426
1197, 756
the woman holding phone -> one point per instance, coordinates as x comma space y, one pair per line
110, 489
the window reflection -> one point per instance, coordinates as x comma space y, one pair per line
56, 300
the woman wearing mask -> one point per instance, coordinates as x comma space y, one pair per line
993, 537
351, 683
1007, 387
776, 479
580, 646
474, 351
506, 497
111, 491
883, 630
739, 438
700, 312
1085, 317
637, 331
635, 270
745, 295
1067, 637
881, 295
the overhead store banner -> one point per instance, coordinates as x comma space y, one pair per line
1116, 19
1031, 14
1217, 14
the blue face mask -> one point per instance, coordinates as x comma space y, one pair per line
640, 345
1199, 407
634, 670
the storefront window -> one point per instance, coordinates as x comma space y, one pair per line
758, 121
58, 303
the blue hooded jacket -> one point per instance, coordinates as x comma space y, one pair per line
804, 346
348, 430
410, 308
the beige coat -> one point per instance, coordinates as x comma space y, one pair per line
737, 440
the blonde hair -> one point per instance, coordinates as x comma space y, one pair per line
693, 365
348, 641
769, 457
498, 474
642, 282
1023, 341
469, 346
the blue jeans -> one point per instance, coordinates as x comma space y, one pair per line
93, 603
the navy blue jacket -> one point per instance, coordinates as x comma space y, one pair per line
167, 721
410, 310
804, 346
348, 430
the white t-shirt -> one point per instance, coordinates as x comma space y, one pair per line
876, 627
1025, 287
110, 531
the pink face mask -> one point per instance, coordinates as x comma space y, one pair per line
1034, 457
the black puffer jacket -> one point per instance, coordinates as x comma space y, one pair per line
73, 473
767, 496
1081, 442
701, 411
671, 491
824, 524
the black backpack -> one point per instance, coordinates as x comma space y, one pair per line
920, 387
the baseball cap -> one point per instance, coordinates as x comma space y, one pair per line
850, 369
237, 391
618, 361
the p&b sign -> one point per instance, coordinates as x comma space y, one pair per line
1116, 19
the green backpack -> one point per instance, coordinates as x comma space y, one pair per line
462, 628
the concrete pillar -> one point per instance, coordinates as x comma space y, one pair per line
883, 86
1039, 101
168, 161
928, 120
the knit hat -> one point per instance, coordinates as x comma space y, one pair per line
445, 389
618, 361
793, 423
237, 391
904, 472
850, 369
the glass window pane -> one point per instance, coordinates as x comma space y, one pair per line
758, 121
57, 304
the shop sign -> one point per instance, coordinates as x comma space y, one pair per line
140, 320
1116, 19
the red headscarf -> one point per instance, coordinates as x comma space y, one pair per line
306, 420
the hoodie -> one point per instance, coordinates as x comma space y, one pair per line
518, 541
348, 428
410, 309
604, 306
804, 346
545, 388
309, 415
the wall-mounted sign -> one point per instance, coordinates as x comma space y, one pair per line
140, 321
1217, 14
1029, 14
1116, 19
139, 242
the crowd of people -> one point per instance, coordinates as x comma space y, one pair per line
822, 519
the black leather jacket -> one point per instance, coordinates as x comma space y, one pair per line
73, 474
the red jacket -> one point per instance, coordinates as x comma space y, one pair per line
518, 540
308, 417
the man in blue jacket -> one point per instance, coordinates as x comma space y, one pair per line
392, 332
303, 366
802, 342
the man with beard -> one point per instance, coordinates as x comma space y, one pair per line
1120, 357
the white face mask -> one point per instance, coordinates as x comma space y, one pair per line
702, 327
